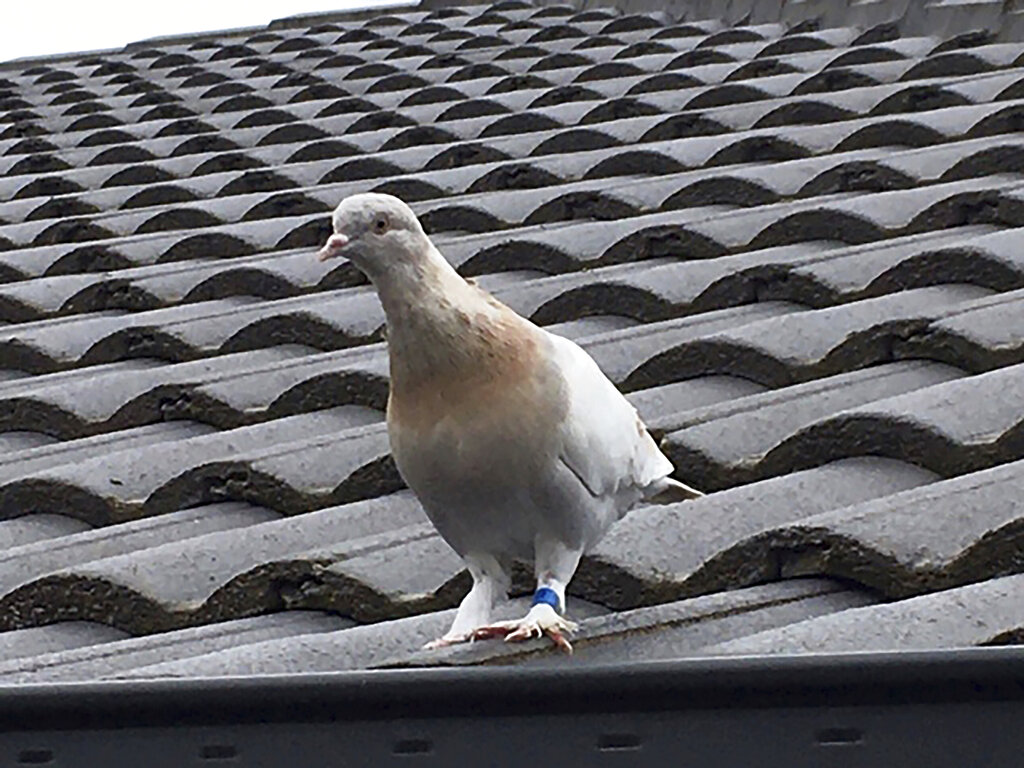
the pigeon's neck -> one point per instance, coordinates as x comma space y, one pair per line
439, 325
413, 282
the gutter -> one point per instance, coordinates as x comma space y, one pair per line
938, 708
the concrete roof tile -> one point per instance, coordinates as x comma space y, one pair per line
791, 241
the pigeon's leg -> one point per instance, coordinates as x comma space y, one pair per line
489, 583
554, 566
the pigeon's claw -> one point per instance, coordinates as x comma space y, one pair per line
561, 641
445, 640
502, 629
530, 631
541, 620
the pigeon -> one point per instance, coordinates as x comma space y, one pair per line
516, 444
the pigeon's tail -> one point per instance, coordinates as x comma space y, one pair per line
668, 491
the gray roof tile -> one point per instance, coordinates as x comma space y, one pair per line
972, 529
233, 567
351, 648
108, 654
57, 638
734, 442
31, 528
668, 630
809, 344
157, 472
665, 553
954, 427
978, 614
793, 245
22, 564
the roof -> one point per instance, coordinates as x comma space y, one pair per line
794, 245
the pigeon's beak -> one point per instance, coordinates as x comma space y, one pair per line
333, 246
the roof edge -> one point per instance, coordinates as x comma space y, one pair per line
999, 20
951, 706
902, 678
286, 22
1004, 21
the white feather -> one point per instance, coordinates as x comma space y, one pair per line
605, 443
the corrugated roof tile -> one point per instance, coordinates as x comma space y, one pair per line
792, 241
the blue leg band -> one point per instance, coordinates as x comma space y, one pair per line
546, 595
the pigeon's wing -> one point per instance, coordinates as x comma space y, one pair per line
604, 442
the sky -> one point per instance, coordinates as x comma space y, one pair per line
45, 27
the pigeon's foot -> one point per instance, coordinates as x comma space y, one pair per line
541, 620
450, 639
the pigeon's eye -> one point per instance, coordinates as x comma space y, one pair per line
380, 224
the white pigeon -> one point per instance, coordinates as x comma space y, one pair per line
513, 440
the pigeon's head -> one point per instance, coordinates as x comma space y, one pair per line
376, 232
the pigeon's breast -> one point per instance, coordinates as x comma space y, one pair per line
486, 418
475, 447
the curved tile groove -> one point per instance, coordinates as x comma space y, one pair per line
951, 428
680, 539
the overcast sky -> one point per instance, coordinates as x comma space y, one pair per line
41, 27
